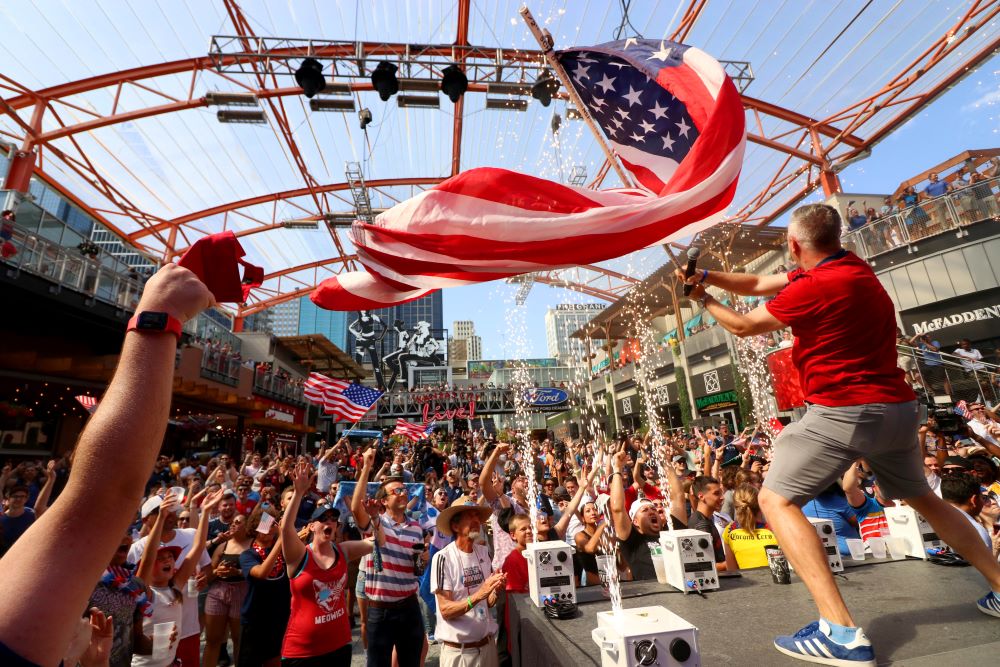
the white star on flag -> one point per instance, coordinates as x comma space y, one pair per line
621, 113
668, 143
660, 55
631, 41
647, 127
636, 137
633, 96
617, 123
580, 72
597, 102
607, 83
658, 111
682, 128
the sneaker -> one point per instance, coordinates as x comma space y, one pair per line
431, 639
989, 604
813, 645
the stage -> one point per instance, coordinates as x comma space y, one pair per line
915, 613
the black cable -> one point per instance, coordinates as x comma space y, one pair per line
626, 21
559, 609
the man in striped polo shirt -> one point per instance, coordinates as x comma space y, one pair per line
394, 618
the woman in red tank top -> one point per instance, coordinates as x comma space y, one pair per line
319, 631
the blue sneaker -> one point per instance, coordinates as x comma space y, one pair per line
989, 604
812, 644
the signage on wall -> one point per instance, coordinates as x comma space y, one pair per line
581, 306
955, 319
712, 384
545, 396
975, 317
627, 406
724, 399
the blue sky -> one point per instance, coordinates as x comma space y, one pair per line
966, 117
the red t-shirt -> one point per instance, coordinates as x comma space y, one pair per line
648, 491
318, 623
516, 568
845, 334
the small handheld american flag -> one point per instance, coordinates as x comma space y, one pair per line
89, 403
411, 430
347, 400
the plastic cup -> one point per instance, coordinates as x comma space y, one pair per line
776, 560
877, 546
656, 555
192, 587
604, 565
178, 492
161, 639
857, 548
897, 547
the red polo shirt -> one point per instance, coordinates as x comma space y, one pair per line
845, 333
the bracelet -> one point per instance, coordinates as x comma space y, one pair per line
468, 600
616, 472
704, 276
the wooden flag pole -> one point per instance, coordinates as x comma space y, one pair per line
545, 42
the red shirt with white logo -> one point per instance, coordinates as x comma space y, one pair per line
845, 333
318, 623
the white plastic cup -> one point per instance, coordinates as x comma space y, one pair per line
604, 565
656, 555
897, 547
877, 546
161, 639
178, 492
192, 587
856, 547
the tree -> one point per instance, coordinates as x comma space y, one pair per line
682, 396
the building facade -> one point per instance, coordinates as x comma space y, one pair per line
285, 318
465, 330
316, 320
561, 322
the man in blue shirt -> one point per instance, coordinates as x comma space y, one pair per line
936, 188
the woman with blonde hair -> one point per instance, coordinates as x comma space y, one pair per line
747, 536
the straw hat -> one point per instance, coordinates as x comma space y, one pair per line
461, 504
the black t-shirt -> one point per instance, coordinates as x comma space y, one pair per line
699, 521
267, 601
637, 552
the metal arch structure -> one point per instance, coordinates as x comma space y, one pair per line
813, 149
599, 282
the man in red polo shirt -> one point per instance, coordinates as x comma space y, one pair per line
859, 405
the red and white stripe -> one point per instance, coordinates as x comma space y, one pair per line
89, 403
487, 224
410, 430
329, 393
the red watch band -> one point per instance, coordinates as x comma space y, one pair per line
155, 322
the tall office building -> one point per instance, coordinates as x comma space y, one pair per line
466, 330
285, 318
561, 322
316, 320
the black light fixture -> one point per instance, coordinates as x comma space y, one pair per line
365, 116
384, 80
310, 77
454, 83
544, 88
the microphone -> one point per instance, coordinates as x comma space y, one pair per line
692, 254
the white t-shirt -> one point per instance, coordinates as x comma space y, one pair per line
183, 538
983, 533
462, 573
166, 609
970, 358
982, 430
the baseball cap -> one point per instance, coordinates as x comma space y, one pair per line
323, 509
637, 505
175, 550
956, 461
560, 493
151, 505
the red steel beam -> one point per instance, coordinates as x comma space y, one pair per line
688, 20
461, 39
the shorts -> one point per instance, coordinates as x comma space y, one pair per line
225, 598
812, 453
339, 658
906, 362
359, 588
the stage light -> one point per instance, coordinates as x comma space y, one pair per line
253, 117
300, 224
332, 104
505, 88
384, 80
555, 123
507, 104
365, 116
454, 83
231, 99
426, 101
310, 77
544, 88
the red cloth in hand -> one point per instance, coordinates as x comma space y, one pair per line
216, 260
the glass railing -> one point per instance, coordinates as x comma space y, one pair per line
276, 386
944, 374
950, 212
68, 268
220, 364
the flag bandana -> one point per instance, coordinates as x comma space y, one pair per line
676, 122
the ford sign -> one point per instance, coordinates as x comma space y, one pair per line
545, 396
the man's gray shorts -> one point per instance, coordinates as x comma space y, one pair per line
813, 452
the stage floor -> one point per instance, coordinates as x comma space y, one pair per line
916, 614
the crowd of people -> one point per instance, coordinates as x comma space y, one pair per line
251, 552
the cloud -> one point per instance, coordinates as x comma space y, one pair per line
987, 99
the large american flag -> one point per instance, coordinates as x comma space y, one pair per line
344, 399
411, 430
676, 122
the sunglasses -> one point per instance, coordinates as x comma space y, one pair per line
398, 491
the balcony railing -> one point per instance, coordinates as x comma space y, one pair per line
278, 387
67, 268
950, 212
220, 365
943, 374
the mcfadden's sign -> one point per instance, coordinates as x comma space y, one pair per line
955, 319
